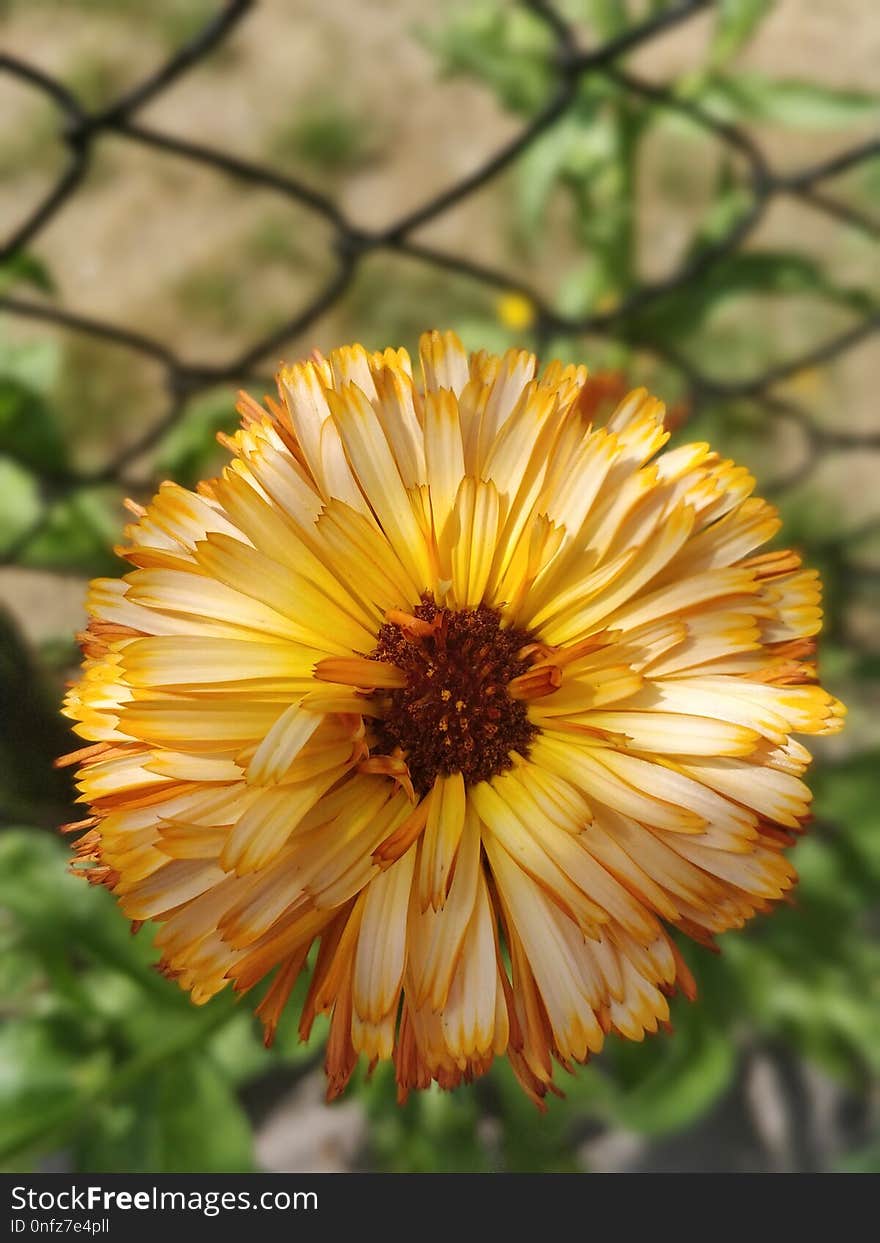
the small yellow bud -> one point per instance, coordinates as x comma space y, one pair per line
515, 311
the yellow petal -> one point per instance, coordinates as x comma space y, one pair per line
281, 745
264, 828
444, 455
443, 830
381, 947
371, 458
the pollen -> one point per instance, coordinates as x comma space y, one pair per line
455, 713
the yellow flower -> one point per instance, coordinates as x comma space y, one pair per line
478, 696
515, 311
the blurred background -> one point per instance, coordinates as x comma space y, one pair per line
684, 195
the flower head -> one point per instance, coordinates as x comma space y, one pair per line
473, 694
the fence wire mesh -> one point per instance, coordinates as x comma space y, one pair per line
40, 798
569, 65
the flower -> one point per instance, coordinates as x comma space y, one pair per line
476, 696
515, 311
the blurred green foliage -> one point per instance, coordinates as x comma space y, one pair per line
105, 1061
326, 135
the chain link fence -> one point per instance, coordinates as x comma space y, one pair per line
81, 128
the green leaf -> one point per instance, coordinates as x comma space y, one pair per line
42, 1074
607, 17
185, 453
846, 795
829, 1011
577, 148
543, 1144
104, 1053
736, 23
28, 431
20, 505
581, 288
84, 920
680, 1080
781, 273
182, 1118
434, 1132
539, 172
78, 534
731, 202
35, 364
238, 1050
30, 786
786, 272
787, 101
503, 46
27, 269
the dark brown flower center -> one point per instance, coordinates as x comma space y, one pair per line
455, 713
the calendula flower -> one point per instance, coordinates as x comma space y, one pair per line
474, 695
